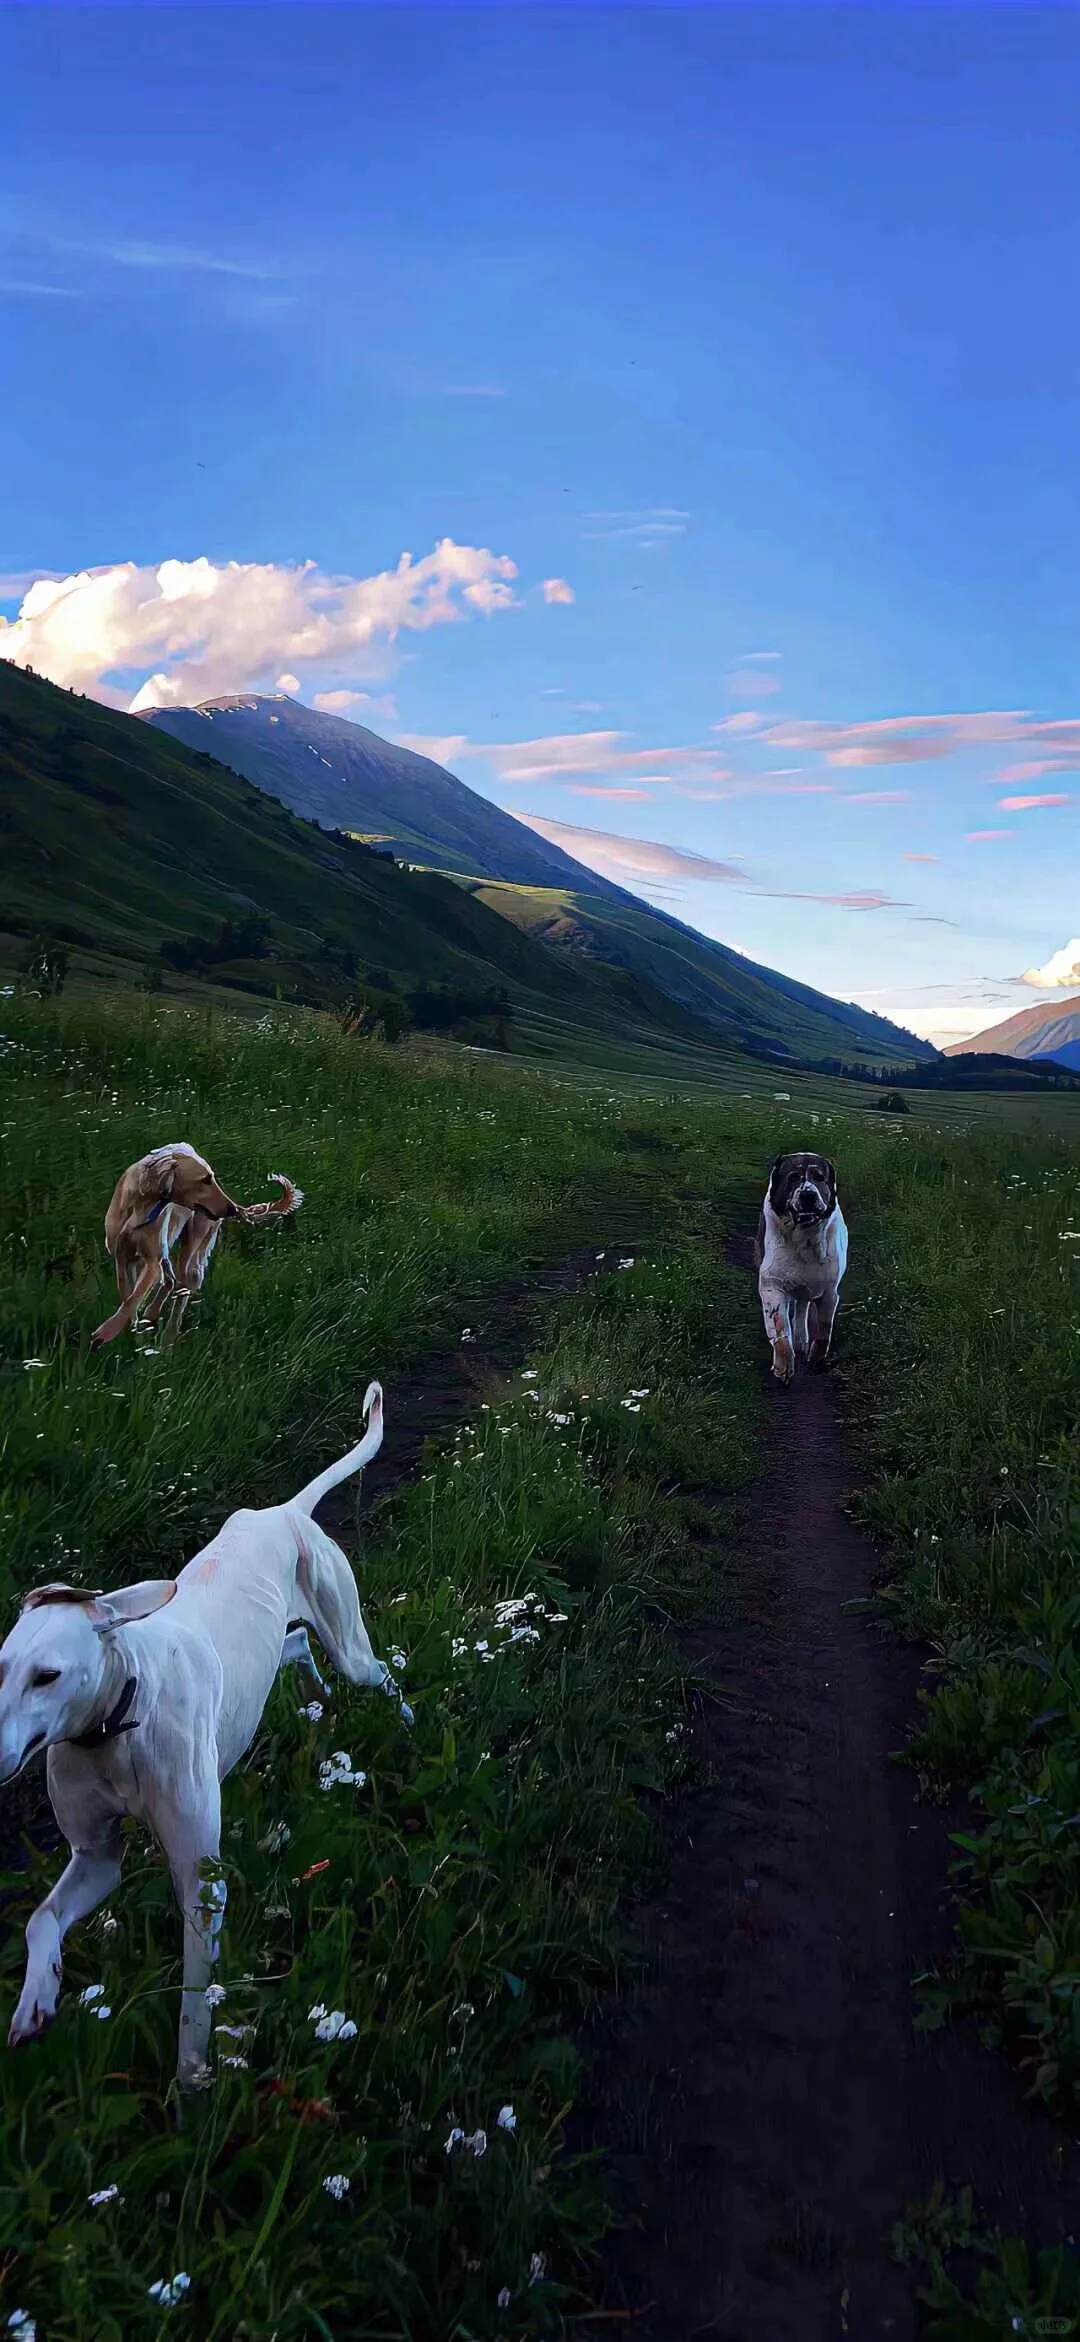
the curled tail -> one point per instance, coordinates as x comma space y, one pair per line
355, 1460
289, 1200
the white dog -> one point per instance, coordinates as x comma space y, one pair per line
146, 1698
802, 1247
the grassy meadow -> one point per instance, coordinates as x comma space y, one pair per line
466, 1903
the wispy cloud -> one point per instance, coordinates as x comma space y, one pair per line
877, 796
184, 259
920, 857
979, 837
628, 859
32, 289
589, 789
1028, 804
925, 739
754, 676
555, 589
645, 861
566, 756
654, 526
236, 625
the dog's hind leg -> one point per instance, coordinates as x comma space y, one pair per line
330, 1603
91, 1874
296, 1651
192, 1842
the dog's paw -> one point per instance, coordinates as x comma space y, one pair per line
33, 2016
783, 1366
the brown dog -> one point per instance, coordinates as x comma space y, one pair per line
167, 1197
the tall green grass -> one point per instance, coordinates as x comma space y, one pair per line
461, 1907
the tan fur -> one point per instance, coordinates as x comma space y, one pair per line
188, 1205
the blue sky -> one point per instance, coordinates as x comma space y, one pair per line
737, 351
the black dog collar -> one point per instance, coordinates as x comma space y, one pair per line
113, 1724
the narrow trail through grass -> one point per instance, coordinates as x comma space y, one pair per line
775, 2110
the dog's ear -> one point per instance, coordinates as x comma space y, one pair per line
154, 1178
130, 1603
43, 1597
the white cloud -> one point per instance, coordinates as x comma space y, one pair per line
288, 683
442, 747
192, 630
1061, 971
335, 703
557, 590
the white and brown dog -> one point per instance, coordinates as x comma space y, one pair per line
170, 1197
801, 1253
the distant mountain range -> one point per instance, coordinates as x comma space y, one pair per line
1050, 1029
344, 777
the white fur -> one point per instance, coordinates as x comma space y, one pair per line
799, 1285
204, 1650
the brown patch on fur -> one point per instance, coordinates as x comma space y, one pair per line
43, 1596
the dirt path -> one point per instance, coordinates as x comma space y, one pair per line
774, 2111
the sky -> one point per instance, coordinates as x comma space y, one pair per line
666, 417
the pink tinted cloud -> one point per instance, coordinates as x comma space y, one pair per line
977, 837
878, 796
920, 857
1026, 804
924, 739
588, 789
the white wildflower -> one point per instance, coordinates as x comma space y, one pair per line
632, 1406
277, 1837
504, 2298
337, 2185
338, 1772
313, 1711
456, 2139
332, 2024
506, 2119
21, 2323
169, 2290
92, 1993
530, 1373
30, 1364
537, 2269
398, 1660
214, 1995
105, 2195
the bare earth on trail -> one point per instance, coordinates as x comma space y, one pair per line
771, 2109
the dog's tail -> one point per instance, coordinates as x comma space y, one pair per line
355, 1460
289, 1200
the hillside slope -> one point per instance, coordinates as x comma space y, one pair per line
339, 774
1049, 1029
119, 841
344, 777
764, 1013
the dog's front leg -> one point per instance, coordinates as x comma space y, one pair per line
776, 1311
91, 1875
192, 1841
825, 1313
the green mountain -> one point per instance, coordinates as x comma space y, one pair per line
137, 855
767, 1015
343, 776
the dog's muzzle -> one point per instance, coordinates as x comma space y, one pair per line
809, 1205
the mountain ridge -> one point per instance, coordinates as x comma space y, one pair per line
273, 740
1046, 1029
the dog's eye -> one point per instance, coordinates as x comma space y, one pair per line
43, 1678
